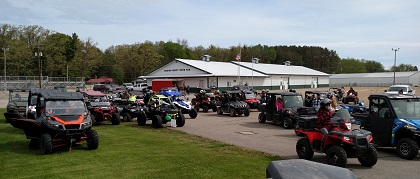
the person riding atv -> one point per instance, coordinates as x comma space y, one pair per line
351, 96
202, 100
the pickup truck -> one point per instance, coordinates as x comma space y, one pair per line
404, 89
139, 86
128, 86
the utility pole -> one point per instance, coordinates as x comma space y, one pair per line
84, 66
395, 61
4, 52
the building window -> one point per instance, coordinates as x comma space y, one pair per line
229, 84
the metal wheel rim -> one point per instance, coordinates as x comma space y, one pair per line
405, 149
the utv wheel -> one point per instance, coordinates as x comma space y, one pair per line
304, 149
370, 158
180, 121
296, 132
407, 148
46, 143
205, 108
157, 121
247, 112
337, 156
261, 118
127, 117
92, 117
219, 111
141, 119
232, 112
116, 120
287, 123
93, 139
193, 114
197, 108
34, 144
214, 109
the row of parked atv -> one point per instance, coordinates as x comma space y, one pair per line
390, 120
52, 118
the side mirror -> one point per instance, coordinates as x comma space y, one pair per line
410, 91
385, 90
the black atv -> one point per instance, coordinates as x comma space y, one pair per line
127, 109
231, 103
61, 119
18, 102
161, 110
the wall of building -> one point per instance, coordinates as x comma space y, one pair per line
415, 79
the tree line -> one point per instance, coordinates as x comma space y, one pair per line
126, 62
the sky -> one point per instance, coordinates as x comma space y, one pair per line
361, 29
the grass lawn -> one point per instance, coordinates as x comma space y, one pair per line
130, 151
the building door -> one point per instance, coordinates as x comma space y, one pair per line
314, 82
201, 84
286, 83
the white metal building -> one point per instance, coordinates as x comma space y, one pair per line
375, 79
206, 73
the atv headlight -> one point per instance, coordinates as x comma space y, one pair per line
346, 138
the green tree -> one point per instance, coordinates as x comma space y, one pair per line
404, 67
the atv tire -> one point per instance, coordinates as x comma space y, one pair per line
287, 123
46, 143
127, 117
261, 118
370, 158
193, 114
115, 119
337, 156
232, 112
214, 109
304, 149
247, 112
197, 108
205, 108
180, 121
157, 121
219, 111
356, 101
92, 140
34, 144
141, 119
407, 148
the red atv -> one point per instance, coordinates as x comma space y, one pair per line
205, 103
340, 143
351, 97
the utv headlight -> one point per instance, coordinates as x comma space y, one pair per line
88, 123
54, 124
408, 126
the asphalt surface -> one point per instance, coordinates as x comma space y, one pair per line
274, 139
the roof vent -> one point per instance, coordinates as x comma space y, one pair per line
287, 63
205, 58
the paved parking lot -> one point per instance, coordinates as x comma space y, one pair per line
249, 133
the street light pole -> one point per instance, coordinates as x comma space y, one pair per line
395, 61
39, 54
4, 52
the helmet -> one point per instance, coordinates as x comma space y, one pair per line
329, 95
263, 90
202, 91
325, 102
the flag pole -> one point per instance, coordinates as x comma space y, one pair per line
239, 68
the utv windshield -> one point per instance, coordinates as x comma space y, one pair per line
68, 107
20, 98
250, 96
99, 104
397, 88
407, 108
292, 101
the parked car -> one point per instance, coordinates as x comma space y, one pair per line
139, 86
404, 89
104, 88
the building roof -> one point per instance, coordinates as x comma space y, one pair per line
275, 69
375, 75
209, 69
102, 79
